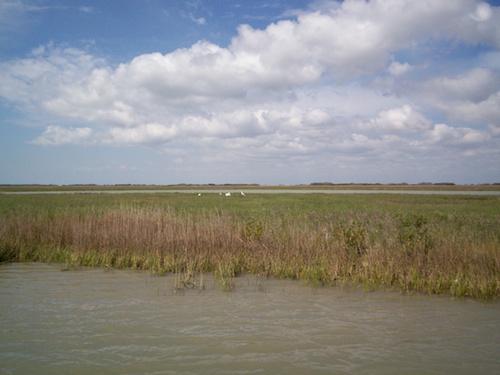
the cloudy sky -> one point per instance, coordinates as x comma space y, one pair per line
262, 91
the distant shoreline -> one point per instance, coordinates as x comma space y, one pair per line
320, 187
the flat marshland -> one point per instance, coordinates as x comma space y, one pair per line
438, 244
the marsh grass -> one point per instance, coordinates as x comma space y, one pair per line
431, 244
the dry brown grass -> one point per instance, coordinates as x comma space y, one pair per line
433, 252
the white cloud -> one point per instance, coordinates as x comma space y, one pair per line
299, 91
482, 13
200, 20
86, 9
46, 75
400, 119
494, 129
355, 38
143, 134
56, 135
445, 134
486, 111
398, 69
474, 85
473, 96
343, 41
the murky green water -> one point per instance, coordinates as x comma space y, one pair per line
122, 322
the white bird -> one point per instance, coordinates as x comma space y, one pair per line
242, 193
228, 194
199, 194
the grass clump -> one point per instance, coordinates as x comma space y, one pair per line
431, 244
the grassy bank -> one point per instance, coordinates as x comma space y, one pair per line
432, 244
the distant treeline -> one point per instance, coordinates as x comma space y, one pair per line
396, 183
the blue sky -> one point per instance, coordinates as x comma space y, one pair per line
268, 92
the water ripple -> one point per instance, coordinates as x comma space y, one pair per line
121, 322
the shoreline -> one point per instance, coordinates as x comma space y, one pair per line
80, 188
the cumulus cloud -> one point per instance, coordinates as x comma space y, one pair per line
259, 95
461, 137
345, 41
472, 96
474, 85
56, 135
400, 119
143, 134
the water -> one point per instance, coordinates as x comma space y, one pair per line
269, 191
124, 322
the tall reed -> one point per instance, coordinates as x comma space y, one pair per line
429, 251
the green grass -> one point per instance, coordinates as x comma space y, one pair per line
443, 244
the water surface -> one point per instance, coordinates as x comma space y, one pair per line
266, 191
124, 322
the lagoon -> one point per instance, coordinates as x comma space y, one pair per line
264, 191
131, 322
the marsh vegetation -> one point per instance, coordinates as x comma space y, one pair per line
433, 244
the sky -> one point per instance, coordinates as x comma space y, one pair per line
264, 91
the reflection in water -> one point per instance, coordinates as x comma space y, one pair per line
124, 322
